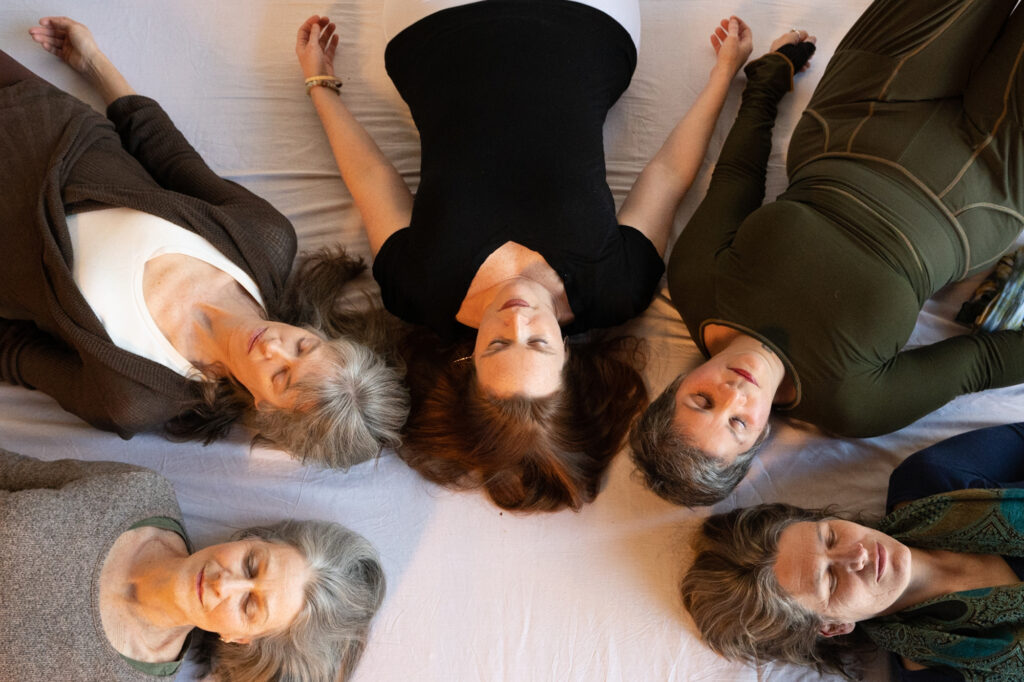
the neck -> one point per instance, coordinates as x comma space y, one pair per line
472, 311
213, 326
151, 581
927, 579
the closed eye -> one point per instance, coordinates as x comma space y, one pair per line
703, 401
739, 422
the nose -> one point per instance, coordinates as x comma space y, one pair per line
730, 395
518, 320
273, 348
226, 585
853, 557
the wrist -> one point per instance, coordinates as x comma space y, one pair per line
724, 72
323, 82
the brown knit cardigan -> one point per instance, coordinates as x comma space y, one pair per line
59, 157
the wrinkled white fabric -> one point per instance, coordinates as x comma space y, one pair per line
474, 594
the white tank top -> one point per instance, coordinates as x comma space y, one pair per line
111, 247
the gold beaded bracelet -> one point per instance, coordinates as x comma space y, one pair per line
330, 82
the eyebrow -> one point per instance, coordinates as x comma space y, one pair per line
491, 351
315, 346
264, 568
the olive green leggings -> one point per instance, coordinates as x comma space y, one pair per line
931, 89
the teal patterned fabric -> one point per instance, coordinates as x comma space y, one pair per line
979, 633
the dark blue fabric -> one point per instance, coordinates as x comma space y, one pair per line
986, 458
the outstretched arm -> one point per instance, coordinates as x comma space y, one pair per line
921, 380
651, 204
380, 194
737, 185
73, 43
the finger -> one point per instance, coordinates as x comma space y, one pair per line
324, 21
59, 23
811, 39
715, 42
303, 35
39, 34
332, 48
734, 27
325, 37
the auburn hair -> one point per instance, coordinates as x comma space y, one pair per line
528, 454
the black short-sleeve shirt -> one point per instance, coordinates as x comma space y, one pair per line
510, 98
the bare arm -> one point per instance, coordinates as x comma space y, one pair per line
652, 202
73, 43
382, 197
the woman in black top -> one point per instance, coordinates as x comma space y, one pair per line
513, 233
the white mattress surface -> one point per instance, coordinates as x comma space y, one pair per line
474, 593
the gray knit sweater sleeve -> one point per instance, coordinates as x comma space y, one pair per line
58, 521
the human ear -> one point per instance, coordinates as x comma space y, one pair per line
235, 640
836, 629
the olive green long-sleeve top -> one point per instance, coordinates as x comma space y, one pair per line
832, 276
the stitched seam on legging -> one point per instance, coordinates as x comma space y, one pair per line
992, 133
886, 222
957, 227
995, 207
899, 65
824, 124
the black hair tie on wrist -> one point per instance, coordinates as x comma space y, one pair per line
798, 54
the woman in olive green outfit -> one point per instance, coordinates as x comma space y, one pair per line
905, 175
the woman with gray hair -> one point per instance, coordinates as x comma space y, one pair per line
100, 582
151, 294
938, 581
904, 176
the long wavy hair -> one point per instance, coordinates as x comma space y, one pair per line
738, 605
328, 636
528, 454
349, 415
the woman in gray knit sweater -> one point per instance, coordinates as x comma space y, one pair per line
98, 581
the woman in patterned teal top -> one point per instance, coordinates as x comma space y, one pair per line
937, 582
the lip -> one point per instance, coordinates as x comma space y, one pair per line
255, 337
746, 375
880, 556
514, 303
199, 585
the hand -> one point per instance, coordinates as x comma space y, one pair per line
733, 42
794, 37
315, 46
69, 40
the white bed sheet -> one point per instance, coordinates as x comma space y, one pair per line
473, 593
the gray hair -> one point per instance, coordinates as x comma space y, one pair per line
673, 467
327, 638
735, 599
346, 416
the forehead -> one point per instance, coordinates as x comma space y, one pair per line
520, 370
702, 430
796, 563
287, 574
